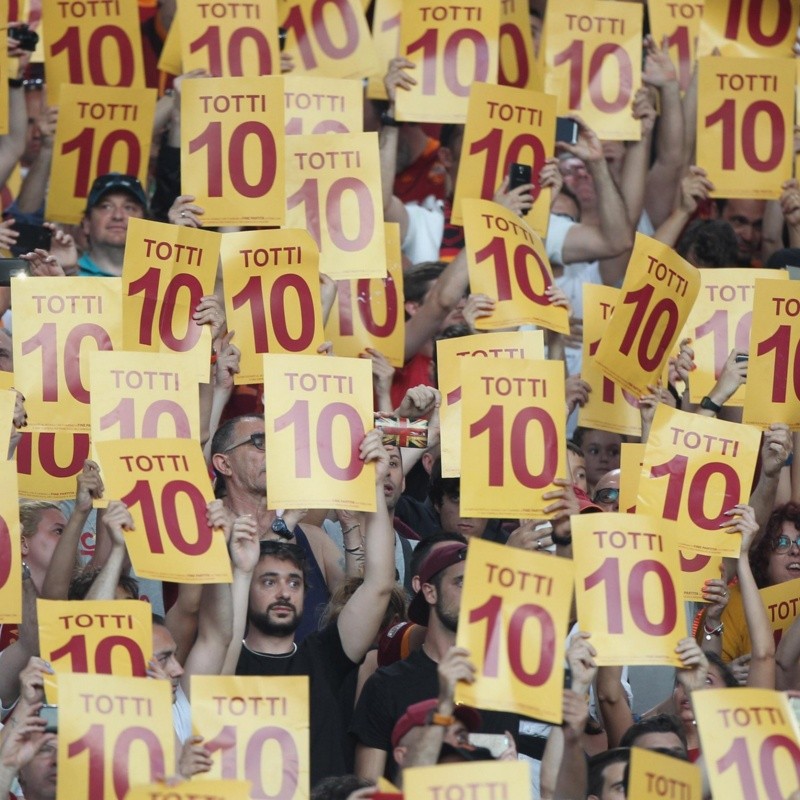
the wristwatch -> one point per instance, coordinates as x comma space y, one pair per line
708, 404
281, 528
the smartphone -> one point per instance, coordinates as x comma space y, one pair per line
740, 357
50, 714
12, 268
282, 34
495, 743
566, 130
518, 175
30, 238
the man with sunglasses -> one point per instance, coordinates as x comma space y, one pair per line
606, 492
239, 460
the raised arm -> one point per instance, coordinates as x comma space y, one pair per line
117, 520
62, 564
776, 447
361, 616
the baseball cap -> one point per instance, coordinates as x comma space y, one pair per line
417, 715
439, 559
115, 182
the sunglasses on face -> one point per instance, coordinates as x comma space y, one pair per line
256, 439
606, 496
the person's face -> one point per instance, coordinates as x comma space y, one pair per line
578, 179
448, 598
35, 107
394, 482
784, 567
577, 470
746, 218
246, 465
452, 522
39, 776
613, 785
164, 649
276, 597
37, 550
457, 734
683, 703
606, 492
601, 451
6, 352
106, 224
660, 740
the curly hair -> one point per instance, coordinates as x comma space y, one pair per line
761, 553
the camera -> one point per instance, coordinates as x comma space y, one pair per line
27, 38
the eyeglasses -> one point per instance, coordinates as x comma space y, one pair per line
609, 495
256, 439
783, 544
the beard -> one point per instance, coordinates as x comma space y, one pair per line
270, 627
446, 617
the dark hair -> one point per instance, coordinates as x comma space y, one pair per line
760, 554
224, 435
421, 551
284, 551
661, 723
574, 448
448, 132
438, 486
581, 433
567, 192
82, 581
598, 764
338, 787
159, 620
396, 610
724, 670
418, 279
708, 243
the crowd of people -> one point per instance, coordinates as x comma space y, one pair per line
367, 604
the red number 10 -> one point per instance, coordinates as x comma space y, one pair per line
574, 56
75, 648
428, 44
5, 553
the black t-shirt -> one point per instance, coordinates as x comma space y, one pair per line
320, 656
391, 690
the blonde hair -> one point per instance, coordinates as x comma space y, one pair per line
30, 515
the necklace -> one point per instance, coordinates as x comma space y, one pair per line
270, 655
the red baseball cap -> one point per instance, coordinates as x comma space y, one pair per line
418, 714
439, 559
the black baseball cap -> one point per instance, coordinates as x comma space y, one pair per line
116, 182
438, 560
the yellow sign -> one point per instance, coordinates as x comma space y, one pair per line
10, 557
695, 469
318, 410
696, 569
508, 262
231, 40
512, 597
593, 53
774, 367
165, 484
6, 380
782, 602
744, 125
188, 790
750, 744
513, 423
505, 126
170, 59
453, 47
368, 312
95, 45
272, 300
631, 457
679, 21
501, 779
96, 637
749, 28
113, 732
5, 64
656, 297
329, 38
47, 463
232, 149
449, 352
653, 774
8, 400
625, 588
610, 407
52, 337
720, 321
167, 270
333, 190
322, 105
100, 130
386, 16
247, 722
143, 396
518, 64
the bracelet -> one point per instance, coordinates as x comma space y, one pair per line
715, 632
358, 549
351, 528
